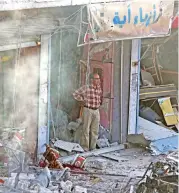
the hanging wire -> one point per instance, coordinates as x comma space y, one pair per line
67, 19
59, 82
15, 73
88, 57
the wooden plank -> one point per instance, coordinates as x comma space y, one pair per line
168, 113
158, 91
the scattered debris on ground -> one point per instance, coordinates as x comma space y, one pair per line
106, 170
65, 168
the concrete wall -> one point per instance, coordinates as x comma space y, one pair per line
19, 92
65, 56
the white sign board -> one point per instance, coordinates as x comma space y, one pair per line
128, 20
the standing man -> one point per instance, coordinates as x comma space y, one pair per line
90, 96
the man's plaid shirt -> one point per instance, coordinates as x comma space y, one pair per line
91, 96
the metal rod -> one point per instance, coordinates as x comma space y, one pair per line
101, 174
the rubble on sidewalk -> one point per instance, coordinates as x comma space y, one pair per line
103, 143
110, 169
104, 133
100, 164
68, 146
94, 175
73, 126
79, 189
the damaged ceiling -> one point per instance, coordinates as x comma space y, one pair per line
28, 25
160, 40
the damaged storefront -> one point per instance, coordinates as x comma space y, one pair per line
159, 91
50, 52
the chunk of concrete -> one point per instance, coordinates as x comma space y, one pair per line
66, 186
99, 163
102, 143
68, 146
79, 189
138, 139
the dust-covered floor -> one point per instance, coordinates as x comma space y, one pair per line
120, 175
103, 175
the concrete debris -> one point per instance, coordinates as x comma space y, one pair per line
12, 144
79, 189
66, 186
23, 185
96, 152
102, 143
24, 176
68, 146
132, 189
73, 126
174, 156
43, 179
98, 176
138, 140
61, 175
99, 163
104, 133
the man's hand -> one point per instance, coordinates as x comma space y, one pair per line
81, 103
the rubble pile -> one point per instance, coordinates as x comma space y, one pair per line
110, 168
115, 171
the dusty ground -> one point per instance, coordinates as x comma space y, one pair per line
114, 176
132, 163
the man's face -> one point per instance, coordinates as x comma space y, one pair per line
96, 80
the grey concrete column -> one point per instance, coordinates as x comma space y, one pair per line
125, 87
122, 62
134, 86
43, 89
